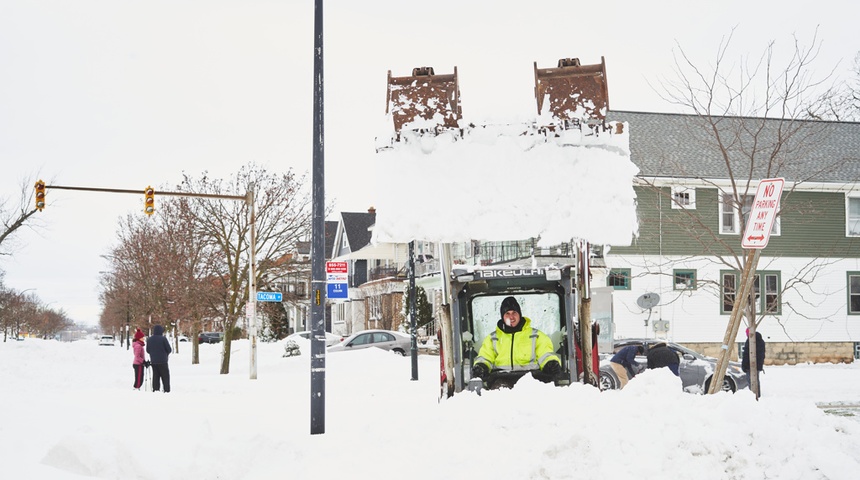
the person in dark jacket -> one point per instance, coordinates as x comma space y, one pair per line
759, 357
158, 348
624, 363
660, 355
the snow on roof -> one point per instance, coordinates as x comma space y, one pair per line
507, 182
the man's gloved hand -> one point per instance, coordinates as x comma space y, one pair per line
480, 371
552, 367
146, 363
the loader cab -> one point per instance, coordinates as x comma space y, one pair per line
545, 297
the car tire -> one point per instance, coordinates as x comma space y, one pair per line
607, 381
399, 352
728, 385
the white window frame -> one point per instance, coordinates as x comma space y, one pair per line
683, 197
849, 232
775, 231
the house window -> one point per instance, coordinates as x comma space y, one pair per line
683, 197
729, 223
770, 303
852, 224
619, 279
728, 216
685, 279
728, 291
853, 293
375, 308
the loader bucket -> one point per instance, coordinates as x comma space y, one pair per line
575, 93
422, 96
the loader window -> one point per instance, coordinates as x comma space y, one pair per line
544, 310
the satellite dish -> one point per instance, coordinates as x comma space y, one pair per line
648, 300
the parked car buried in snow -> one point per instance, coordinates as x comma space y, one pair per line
106, 340
330, 338
390, 340
695, 369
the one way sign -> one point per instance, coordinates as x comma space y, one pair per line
763, 213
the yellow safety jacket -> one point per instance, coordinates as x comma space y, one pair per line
528, 349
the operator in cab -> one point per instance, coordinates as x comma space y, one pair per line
516, 347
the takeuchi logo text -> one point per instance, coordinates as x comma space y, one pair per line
523, 272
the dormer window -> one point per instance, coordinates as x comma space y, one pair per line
684, 197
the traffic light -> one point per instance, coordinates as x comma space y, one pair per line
149, 201
40, 195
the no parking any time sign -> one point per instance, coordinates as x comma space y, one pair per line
763, 213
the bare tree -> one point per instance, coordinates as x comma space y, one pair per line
24, 312
843, 101
160, 271
756, 119
190, 271
190, 262
15, 216
282, 219
131, 291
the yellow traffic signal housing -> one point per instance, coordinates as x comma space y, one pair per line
149, 201
40, 195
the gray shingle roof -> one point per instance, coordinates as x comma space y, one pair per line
330, 232
356, 225
683, 146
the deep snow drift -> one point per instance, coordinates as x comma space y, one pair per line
69, 412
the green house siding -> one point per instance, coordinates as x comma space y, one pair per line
812, 224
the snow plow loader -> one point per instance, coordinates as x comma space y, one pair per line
572, 102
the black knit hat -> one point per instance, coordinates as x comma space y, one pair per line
510, 303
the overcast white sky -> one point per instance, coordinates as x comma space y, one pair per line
123, 95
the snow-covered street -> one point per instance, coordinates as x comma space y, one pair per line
69, 412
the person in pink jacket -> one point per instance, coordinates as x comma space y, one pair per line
139, 359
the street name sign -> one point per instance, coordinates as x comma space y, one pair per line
337, 280
763, 213
270, 296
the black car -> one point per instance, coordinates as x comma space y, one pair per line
210, 337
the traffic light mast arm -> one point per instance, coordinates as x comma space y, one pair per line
137, 192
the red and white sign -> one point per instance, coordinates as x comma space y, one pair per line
763, 213
336, 267
337, 280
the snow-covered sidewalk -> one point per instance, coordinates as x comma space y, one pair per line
69, 412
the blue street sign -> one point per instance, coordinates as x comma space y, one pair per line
337, 290
269, 296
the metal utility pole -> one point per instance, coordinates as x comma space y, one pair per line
318, 279
252, 283
413, 322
